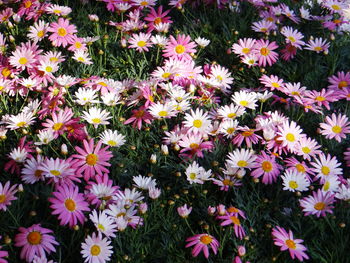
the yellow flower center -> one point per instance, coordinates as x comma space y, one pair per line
320, 98
62, 32
6, 72
242, 163
243, 103
292, 39
230, 130
232, 209
101, 227
291, 244
141, 43
300, 168
197, 123
157, 20
112, 143
247, 133
96, 120
206, 239
163, 113
166, 75
78, 45
23, 61
193, 176
179, 49
2, 198
264, 51
293, 184
318, 48
231, 115
325, 170
40, 33
226, 182
95, 250
219, 78
295, 93
91, 159
342, 84
320, 206
57, 126
55, 172
326, 186
275, 85
235, 220
306, 150
267, 166
245, 50
28, 4
48, 69
56, 11
194, 146
336, 129
144, 3
53, 59
336, 7
70, 204
290, 137
34, 238
21, 124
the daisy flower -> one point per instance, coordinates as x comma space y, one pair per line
202, 42
7, 194
197, 174
69, 205
318, 45
230, 111
221, 76
244, 46
266, 166
285, 240
103, 223
143, 182
231, 218
320, 98
92, 160
86, 96
290, 133
318, 204
331, 184
197, 121
58, 10
82, 56
128, 196
307, 148
339, 81
181, 47
247, 135
96, 116
227, 181
22, 58
31, 173
140, 42
38, 31
184, 211
250, 60
202, 242
325, 166
155, 18
193, 145
295, 181
62, 32
228, 128
162, 111
245, 99
112, 138
139, 115
35, 241
335, 127
272, 82
294, 89
264, 51
22, 120
263, 26
95, 249
293, 37
59, 171
241, 158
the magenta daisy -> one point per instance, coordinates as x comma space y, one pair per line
285, 240
202, 242
181, 47
232, 218
69, 205
154, 18
335, 127
263, 49
62, 33
319, 203
3, 255
35, 241
7, 194
92, 160
266, 166
339, 81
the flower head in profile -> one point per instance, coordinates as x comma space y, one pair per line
286, 241
7, 194
202, 242
35, 241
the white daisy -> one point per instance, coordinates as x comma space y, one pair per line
96, 116
228, 128
161, 111
143, 182
331, 184
45, 137
230, 111
245, 99
241, 158
112, 138
22, 120
294, 181
18, 154
86, 96
96, 249
290, 134
104, 223
197, 121
111, 98
202, 42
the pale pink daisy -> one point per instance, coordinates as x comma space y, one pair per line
31, 173
290, 133
35, 241
22, 58
104, 224
69, 205
38, 31
318, 204
272, 82
339, 81
293, 37
62, 32
92, 160
326, 166
7, 194
263, 26
318, 45
184, 211
286, 241
263, 49
96, 249
307, 148
181, 47
336, 126
140, 42
244, 46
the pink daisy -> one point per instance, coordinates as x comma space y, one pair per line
326, 166
285, 240
272, 82
92, 160
231, 218
35, 241
22, 58
320, 98
263, 49
156, 17
62, 33
339, 81
293, 37
69, 205
181, 47
138, 117
266, 166
318, 204
248, 135
244, 46
140, 42
288, 52
318, 45
335, 127
202, 242
7, 194
3, 255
